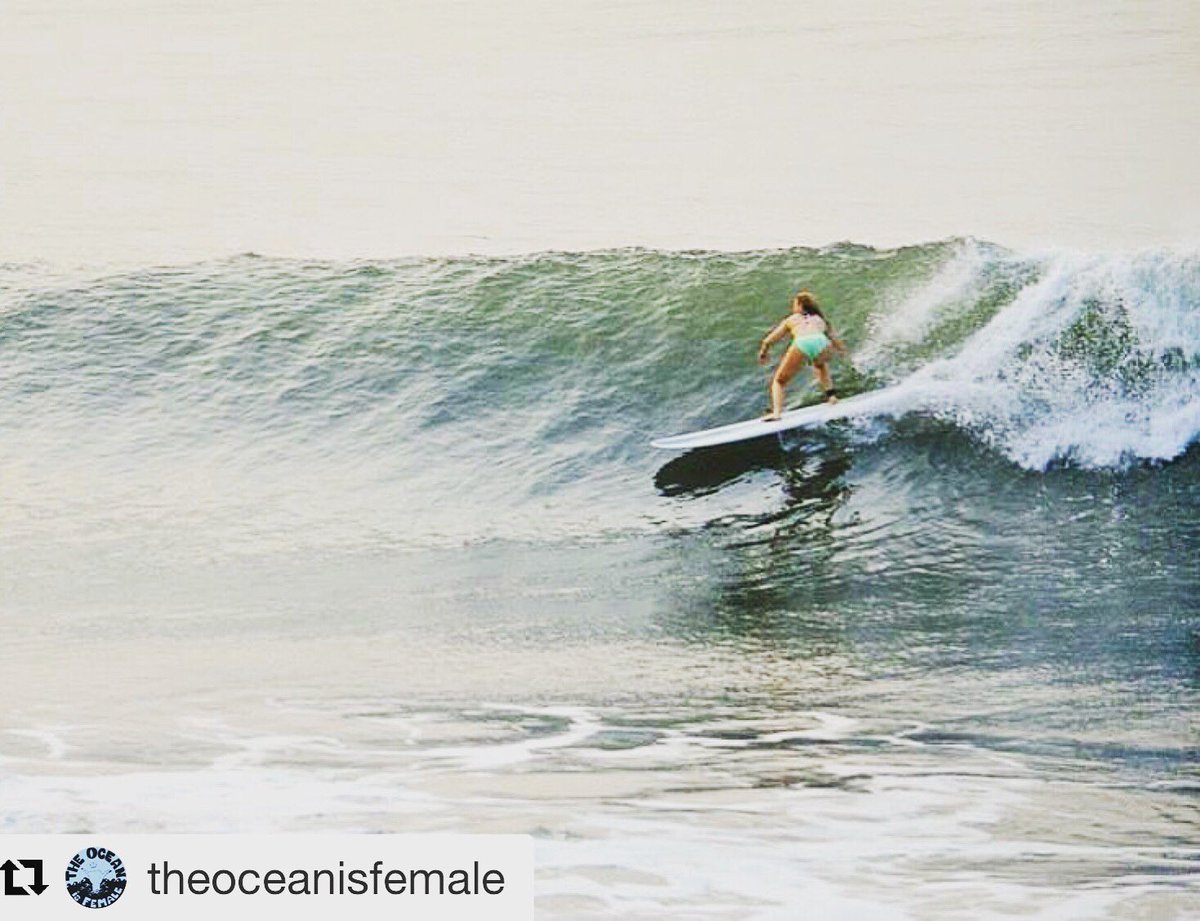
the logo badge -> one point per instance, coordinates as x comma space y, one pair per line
95, 877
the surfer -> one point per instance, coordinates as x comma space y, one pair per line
813, 342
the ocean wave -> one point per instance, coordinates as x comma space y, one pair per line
461, 398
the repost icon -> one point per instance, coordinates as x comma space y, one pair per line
12, 868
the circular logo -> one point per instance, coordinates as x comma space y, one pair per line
95, 877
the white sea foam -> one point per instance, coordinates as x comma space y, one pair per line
722, 818
1127, 387
907, 315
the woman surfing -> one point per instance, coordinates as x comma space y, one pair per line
813, 342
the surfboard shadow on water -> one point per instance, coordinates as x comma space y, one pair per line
704, 471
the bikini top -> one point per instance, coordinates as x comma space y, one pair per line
804, 325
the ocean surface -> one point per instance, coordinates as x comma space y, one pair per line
382, 545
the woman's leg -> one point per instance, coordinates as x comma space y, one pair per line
821, 372
793, 361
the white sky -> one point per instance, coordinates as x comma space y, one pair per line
136, 130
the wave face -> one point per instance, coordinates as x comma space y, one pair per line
450, 399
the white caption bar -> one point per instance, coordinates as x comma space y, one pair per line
235, 877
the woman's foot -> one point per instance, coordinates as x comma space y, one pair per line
770, 416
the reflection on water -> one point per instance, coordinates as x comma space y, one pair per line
924, 565
703, 471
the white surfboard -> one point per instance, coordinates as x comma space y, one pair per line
864, 404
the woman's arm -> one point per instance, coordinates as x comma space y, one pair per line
837, 343
779, 332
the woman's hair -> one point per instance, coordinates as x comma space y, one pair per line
808, 304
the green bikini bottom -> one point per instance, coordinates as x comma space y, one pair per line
812, 344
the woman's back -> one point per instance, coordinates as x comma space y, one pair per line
805, 324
